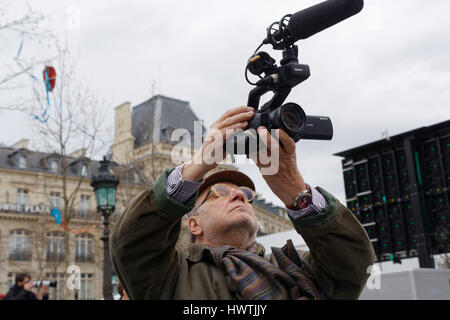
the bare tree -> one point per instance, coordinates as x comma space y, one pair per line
73, 131
69, 118
74, 120
15, 70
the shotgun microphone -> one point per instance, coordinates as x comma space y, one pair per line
305, 23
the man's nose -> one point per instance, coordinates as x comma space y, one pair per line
237, 194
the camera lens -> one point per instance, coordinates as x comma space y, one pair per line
292, 116
291, 119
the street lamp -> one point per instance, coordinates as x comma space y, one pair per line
105, 185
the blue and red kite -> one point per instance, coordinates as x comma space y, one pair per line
49, 74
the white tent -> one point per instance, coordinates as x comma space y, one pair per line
279, 239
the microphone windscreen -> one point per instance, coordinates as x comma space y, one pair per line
312, 20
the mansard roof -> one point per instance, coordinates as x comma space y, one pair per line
154, 120
36, 161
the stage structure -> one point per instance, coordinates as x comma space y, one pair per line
399, 189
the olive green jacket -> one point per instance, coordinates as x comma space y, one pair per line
151, 265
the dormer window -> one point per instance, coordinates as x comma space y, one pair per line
137, 179
22, 162
168, 132
54, 166
84, 170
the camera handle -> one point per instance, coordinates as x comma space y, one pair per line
280, 80
278, 98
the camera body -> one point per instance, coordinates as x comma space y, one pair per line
44, 283
274, 114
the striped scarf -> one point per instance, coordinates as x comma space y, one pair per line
255, 278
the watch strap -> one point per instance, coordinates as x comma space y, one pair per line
318, 203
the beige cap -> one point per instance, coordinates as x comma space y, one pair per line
233, 176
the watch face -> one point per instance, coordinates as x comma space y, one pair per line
304, 198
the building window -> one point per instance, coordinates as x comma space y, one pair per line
56, 293
54, 247
22, 162
84, 206
11, 279
84, 170
22, 197
168, 133
86, 287
19, 245
83, 248
54, 166
55, 199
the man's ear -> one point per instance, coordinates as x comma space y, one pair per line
194, 227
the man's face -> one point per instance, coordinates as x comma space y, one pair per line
217, 216
22, 283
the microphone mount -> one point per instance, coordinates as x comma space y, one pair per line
278, 34
278, 79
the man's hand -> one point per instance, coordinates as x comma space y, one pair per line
27, 286
287, 182
206, 159
44, 290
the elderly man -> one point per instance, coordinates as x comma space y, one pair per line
224, 261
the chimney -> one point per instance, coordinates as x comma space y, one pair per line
78, 154
123, 137
122, 122
21, 144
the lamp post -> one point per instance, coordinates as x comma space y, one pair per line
105, 185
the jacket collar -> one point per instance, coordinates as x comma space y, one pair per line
196, 252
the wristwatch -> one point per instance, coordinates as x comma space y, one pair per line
303, 199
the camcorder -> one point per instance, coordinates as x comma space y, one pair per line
274, 114
44, 283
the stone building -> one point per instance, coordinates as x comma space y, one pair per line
32, 183
30, 239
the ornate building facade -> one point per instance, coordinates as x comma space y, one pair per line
32, 183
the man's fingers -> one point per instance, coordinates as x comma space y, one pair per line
216, 139
235, 119
225, 133
233, 112
267, 139
229, 131
271, 153
263, 133
287, 142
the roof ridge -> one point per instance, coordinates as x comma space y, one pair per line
163, 97
170, 98
43, 155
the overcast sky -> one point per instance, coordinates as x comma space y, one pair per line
388, 68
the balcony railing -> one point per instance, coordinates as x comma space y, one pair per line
93, 215
44, 210
88, 258
87, 215
55, 257
20, 256
31, 210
